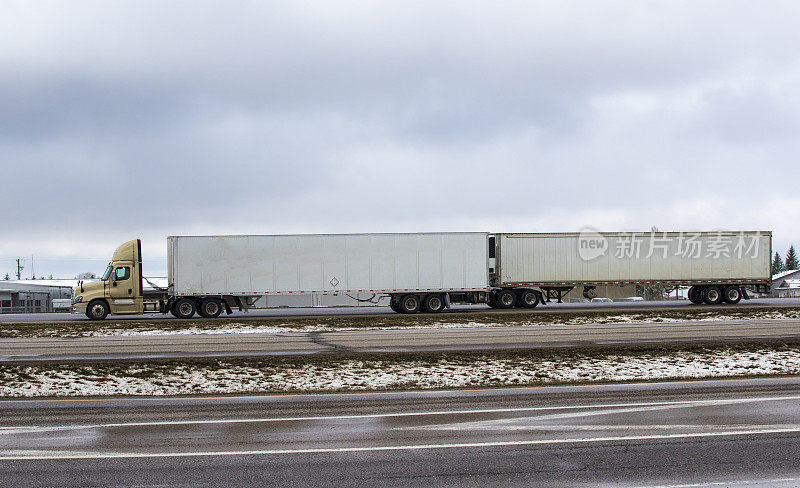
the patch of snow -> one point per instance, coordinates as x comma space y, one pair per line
373, 374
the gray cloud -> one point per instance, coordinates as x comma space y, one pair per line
148, 119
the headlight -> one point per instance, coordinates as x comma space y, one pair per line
78, 299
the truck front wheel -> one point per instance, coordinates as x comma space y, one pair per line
210, 308
183, 308
97, 310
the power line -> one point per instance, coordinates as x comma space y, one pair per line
105, 258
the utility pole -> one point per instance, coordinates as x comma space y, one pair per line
19, 268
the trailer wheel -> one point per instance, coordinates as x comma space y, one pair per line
506, 299
409, 304
732, 294
210, 308
712, 295
695, 295
184, 308
528, 299
393, 306
97, 310
433, 303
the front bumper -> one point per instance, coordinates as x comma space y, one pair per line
79, 307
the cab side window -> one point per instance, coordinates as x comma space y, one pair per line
122, 273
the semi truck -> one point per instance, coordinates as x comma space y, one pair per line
427, 272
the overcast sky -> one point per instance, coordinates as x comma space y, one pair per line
134, 119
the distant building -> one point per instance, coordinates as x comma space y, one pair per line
786, 284
31, 296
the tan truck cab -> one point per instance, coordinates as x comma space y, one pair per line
119, 290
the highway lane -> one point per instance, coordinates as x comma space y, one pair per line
390, 340
666, 305
731, 432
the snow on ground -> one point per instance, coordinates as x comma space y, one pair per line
377, 374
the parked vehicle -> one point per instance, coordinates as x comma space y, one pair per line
61, 304
426, 271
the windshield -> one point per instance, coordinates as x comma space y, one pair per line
107, 273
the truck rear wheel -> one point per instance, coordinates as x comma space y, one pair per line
506, 299
433, 303
97, 310
712, 295
393, 306
732, 294
695, 295
409, 304
528, 299
183, 308
210, 308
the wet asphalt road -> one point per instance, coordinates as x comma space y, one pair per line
335, 311
389, 341
731, 432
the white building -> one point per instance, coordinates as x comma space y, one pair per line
786, 284
30, 296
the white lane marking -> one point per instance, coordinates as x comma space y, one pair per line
725, 483
14, 455
643, 406
514, 423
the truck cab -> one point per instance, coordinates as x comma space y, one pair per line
119, 290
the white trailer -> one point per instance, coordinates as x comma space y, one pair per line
716, 264
419, 271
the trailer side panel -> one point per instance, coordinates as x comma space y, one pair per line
329, 263
644, 257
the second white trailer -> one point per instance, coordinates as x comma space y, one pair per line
716, 264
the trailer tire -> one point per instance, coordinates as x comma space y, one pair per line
695, 295
712, 295
732, 294
184, 308
210, 308
506, 299
409, 304
394, 304
433, 303
528, 299
97, 310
